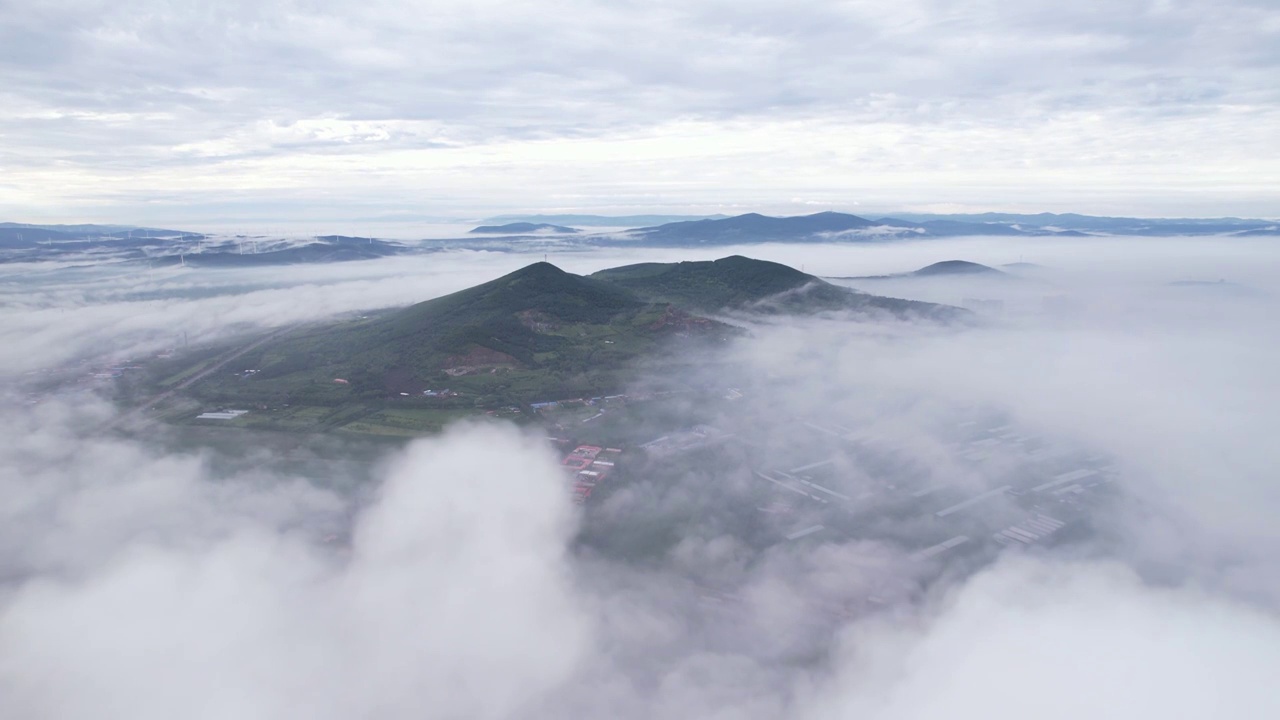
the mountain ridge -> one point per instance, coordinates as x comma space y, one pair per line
837, 226
944, 268
538, 331
517, 228
738, 283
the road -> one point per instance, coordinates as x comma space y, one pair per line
221, 363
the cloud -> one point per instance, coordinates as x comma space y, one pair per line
454, 595
1053, 641
161, 575
327, 111
131, 311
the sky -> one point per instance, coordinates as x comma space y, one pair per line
336, 115
147, 576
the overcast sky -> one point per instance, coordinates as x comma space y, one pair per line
322, 112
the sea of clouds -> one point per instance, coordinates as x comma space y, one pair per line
142, 581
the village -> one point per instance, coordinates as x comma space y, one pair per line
587, 466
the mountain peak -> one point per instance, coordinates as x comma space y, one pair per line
957, 267
517, 228
541, 268
707, 284
754, 227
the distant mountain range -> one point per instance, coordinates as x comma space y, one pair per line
159, 248
323, 249
1109, 225
73, 232
834, 226
15, 236
956, 267
519, 228
600, 220
844, 227
819, 227
32, 242
946, 268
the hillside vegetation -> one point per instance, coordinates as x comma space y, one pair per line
740, 283
538, 333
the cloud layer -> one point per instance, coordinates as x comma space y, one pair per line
325, 112
236, 616
161, 576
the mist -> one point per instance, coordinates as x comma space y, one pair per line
451, 577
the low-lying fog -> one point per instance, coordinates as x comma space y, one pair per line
138, 581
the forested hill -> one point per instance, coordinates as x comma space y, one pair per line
741, 283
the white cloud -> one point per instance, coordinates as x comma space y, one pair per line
454, 598
139, 580
327, 111
1029, 639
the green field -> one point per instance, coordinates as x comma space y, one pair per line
407, 422
301, 418
184, 374
359, 418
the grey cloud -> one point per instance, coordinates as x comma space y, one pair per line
200, 90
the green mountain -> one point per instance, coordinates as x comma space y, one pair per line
536, 333
956, 267
517, 228
740, 283
946, 268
